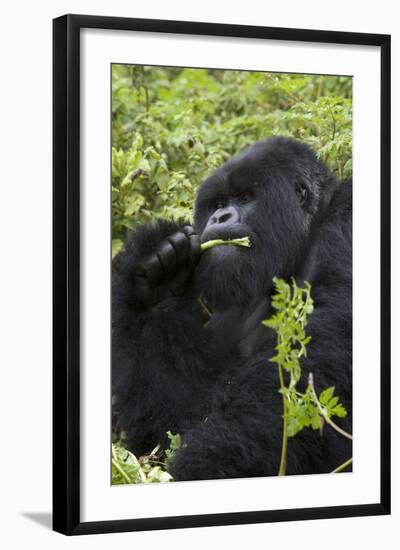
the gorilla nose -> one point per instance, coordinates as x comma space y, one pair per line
224, 216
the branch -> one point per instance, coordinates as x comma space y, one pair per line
342, 466
282, 465
323, 411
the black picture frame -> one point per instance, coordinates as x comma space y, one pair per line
66, 272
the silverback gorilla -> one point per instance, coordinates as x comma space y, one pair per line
189, 352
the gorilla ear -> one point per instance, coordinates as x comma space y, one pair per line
302, 193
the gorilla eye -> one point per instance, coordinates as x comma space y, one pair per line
302, 193
218, 205
244, 197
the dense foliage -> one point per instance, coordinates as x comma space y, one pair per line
171, 127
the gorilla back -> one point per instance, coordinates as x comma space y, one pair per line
189, 353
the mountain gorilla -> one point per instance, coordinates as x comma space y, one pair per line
189, 351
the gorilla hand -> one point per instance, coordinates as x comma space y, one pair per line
165, 273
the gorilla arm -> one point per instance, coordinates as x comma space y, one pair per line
160, 359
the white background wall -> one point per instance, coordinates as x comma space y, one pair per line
25, 273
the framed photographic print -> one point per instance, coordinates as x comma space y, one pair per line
221, 274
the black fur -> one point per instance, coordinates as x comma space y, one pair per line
189, 352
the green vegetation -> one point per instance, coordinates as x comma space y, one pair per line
243, 241
171, 127
127, 469
301, 410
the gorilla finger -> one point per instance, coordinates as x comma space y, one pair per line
194, 249
153, 269
188, 230
167, 256
181, 245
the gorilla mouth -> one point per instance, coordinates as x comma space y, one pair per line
211, 234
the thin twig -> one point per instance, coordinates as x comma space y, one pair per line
342, 466
323, 411
282, 465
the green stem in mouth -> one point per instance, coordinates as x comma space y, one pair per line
243, 241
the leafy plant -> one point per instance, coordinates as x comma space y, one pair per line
175, 443
128, 469
301, 410
172, 127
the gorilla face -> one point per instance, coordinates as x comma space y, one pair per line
271, 192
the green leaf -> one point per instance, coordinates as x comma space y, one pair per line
332, 402
175, 441
339, 411
127, 469
326, 395
116, 246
